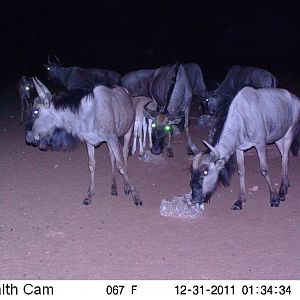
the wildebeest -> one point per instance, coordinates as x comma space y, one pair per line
255, 118
195, 76
141, 124
170, 87
27, 94
237, 78
76, 78
103, 115
136, 82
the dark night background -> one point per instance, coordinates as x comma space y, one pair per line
126, 35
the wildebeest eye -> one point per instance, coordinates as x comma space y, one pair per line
167, 128
153, 125
27, 88
206, 99
35, 113
205, 172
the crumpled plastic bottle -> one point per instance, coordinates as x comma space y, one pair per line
181, 207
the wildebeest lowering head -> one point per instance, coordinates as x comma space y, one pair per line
43, 128
162, 126
206, 170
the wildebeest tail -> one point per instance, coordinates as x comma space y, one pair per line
296, 137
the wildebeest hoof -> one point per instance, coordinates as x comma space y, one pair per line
170, 152
143, 156
238, 205
127, 190
189, 151
114, 192
87, 201
282, 197
138, 202
275, 201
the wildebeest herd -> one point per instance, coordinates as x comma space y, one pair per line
96, 105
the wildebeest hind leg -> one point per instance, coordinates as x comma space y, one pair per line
284, 145
123, 171
261, 151
127, 138
114, 189
92, 165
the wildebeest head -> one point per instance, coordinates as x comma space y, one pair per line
52, 67
205, 172
211, 103
44, 129
162, 126
26, 85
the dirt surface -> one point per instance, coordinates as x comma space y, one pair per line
46, 232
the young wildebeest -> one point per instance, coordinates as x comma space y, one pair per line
237, 78
76, 78
27, 94
103, 115
141, 124
255, 118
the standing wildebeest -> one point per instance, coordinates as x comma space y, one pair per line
255, 118
75, 78
141, 124
103, 115
170, 87
237, 78
136, 82
195, 76
27, 94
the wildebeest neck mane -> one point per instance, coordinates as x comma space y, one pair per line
220, 118
71, 100
64, 99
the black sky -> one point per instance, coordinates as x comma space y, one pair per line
125, 35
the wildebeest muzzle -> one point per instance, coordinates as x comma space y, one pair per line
31, 140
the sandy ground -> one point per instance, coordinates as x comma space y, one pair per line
46, 232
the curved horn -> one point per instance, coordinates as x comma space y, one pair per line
56, 58
49, 61
212, 149
151, 112
43, 93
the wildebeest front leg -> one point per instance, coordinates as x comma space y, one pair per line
261, 151
238, 204
123, 171
169, 148
92, 165
192, 149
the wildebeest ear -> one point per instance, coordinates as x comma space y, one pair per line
149, 113
220, 162
175, 121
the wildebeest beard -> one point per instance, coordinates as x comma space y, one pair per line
60, 139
